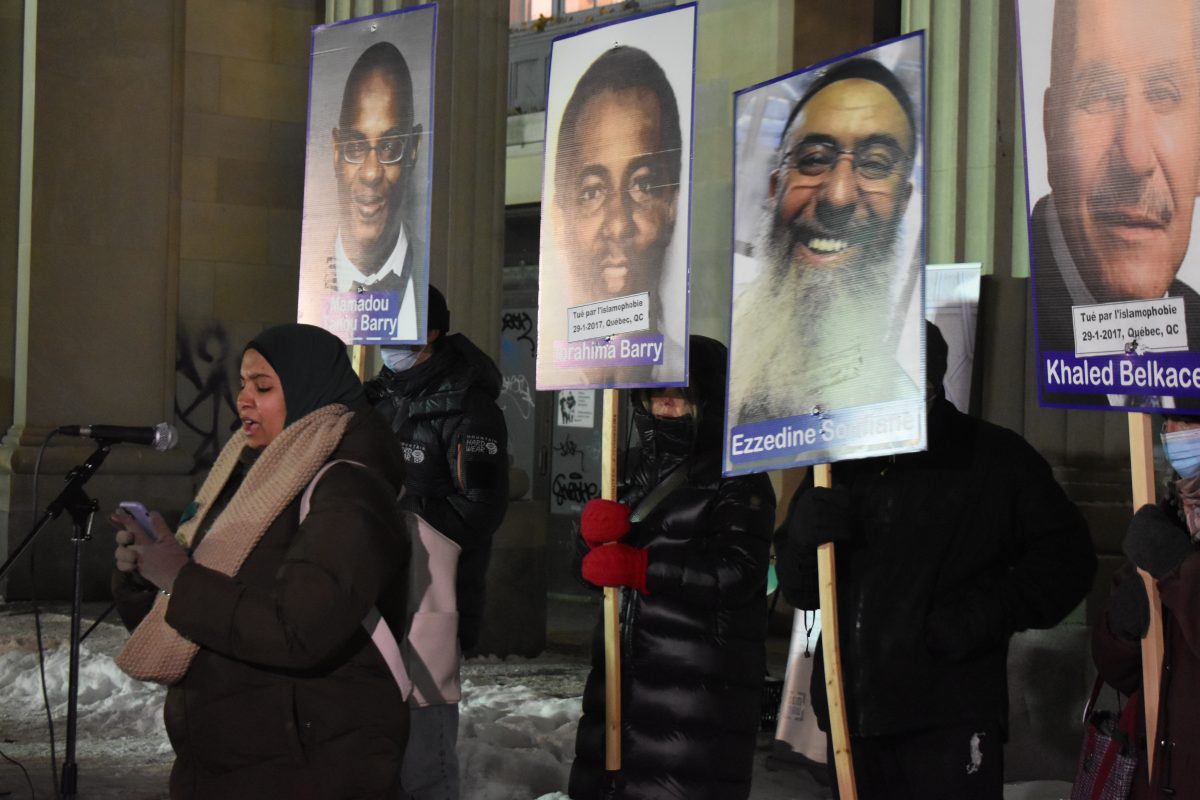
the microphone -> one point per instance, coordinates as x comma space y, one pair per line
161, 437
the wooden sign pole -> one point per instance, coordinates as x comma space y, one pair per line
839, 728
1141, 463
612, 631
358, 360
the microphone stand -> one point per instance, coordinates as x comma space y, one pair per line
75, 501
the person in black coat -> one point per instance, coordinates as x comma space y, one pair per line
693, 614
440, 401
1163, 540
941, 556
276, 688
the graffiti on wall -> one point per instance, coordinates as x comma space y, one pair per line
515, 395
572, 490
517, 400
520, 324
568, 447
204, 394
575, 452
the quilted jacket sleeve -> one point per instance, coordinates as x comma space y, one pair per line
476, 445
724, 561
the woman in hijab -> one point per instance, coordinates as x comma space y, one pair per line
253, 611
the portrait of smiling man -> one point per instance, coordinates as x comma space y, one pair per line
1120, 118
374, 148
814, 330
364, 249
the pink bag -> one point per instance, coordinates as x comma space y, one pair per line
1110, 756
425, 662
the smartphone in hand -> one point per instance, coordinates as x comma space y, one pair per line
140, 515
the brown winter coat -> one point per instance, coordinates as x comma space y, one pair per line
1177, 764
287, 696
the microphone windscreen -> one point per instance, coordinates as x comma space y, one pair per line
166, 436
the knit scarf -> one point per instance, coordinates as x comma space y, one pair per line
156, 651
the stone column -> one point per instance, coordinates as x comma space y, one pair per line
467, 227
96, 288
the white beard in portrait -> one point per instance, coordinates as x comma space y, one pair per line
810, 336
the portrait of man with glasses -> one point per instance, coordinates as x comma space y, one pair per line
615, 205
818, 326
375, 147
364, 246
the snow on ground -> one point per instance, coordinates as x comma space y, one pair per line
516, 728
111, 705
516, 739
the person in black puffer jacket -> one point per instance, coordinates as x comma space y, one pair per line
693, 604
440, 400
442, 408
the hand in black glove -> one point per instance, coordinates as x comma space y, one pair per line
797, 576
1155, 543
1129, 609
821, 516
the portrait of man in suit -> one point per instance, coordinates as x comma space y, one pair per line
364, 246
1121, 127
374, 149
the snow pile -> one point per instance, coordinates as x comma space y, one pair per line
516, 736
516, 725
515, 743
112, 706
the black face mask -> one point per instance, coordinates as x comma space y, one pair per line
666, 442
676, 435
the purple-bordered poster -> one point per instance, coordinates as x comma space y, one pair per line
616, 190
826, 358
1111, 95
364, 249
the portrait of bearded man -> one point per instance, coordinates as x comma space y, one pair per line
813, 332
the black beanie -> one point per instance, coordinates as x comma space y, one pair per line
438, 316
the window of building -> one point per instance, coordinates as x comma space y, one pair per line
571, 6
524, 12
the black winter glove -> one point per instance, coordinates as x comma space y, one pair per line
375, 390
1155, 543
821, 516
1129, 609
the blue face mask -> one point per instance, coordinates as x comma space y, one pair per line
400, 357
1183, 451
